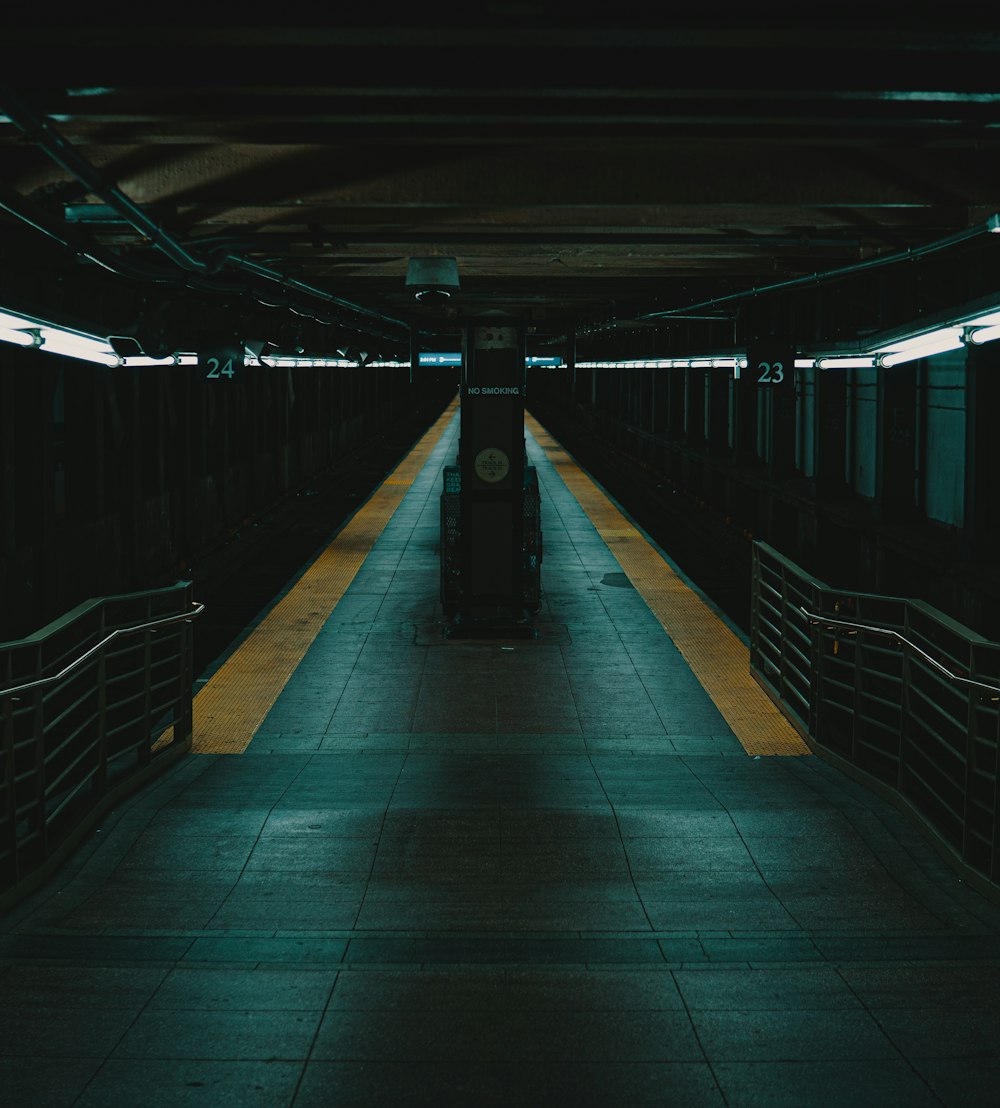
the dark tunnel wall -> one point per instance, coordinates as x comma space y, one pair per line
113, 480
884, 481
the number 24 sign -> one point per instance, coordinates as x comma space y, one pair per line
220, 364
219, 368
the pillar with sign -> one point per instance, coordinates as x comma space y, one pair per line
490, 527
771, 365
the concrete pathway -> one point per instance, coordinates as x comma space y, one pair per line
500, 872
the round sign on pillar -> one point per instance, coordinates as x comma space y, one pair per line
491, 465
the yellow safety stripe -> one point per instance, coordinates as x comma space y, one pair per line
234, 701
717, 657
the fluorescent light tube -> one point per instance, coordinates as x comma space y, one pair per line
925, 346
78, 346
18, 338
26, 331
927, 339
846, 362
57, 336
141, 360
984, 334
16, 322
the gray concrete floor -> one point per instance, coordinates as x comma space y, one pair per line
500, 872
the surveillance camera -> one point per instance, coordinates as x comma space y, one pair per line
432, 279
432, 295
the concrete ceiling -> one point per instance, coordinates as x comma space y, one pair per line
581, 172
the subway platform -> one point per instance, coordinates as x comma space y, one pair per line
591, 868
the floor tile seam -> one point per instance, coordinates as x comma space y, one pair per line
746, 846
596, 503
868, 1008
257, 838
272, 641
951, 947
315, 1035
578, 509
558, 493
561, 503
216, 702
420, 485
916, 883
434, 467
621, 841
110, 1053
569, 499
915, 869
385, 813
669, 953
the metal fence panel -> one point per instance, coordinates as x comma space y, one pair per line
85, 704
904, 693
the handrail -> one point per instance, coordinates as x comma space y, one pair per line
929, 742
814, 618
183, 617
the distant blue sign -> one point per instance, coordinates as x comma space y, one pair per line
440, 359
451, 359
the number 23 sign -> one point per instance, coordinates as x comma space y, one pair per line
770, 373
771, 366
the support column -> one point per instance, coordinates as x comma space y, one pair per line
694, 403
831, 431
9, 506
718, 411
675, 404
895, 447
771, 366
982, 506
745, 416
490, 545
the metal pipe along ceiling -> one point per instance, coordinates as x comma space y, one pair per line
831, 275
42, 133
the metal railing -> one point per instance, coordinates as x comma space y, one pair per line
833, 624
902, 692
87, 704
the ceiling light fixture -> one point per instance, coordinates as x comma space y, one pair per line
983, 334
19, 338
83, 347
835, 361
141, 361
30, 331
921, 346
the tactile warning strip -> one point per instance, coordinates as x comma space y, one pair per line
234, 701
717, 657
